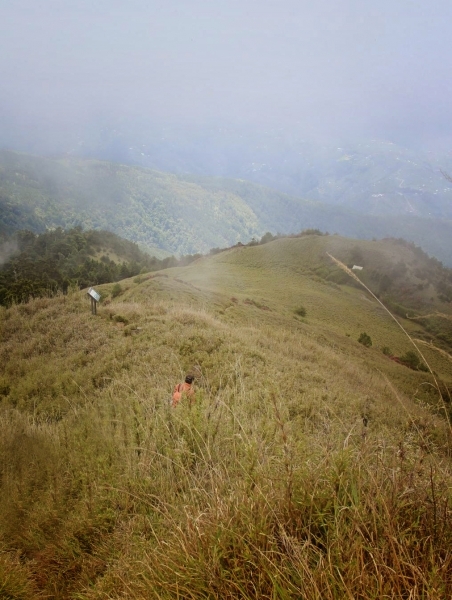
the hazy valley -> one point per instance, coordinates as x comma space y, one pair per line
181, 214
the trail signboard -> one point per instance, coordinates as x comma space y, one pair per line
95, 297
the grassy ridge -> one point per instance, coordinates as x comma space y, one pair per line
309, 466
293, 272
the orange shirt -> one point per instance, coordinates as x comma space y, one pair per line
182, 388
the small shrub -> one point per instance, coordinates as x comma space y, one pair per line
365, 340
267, 237
116, 290
386, 351
311, 232
411, 359
300, 311
120, 319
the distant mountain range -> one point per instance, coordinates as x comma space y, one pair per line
375, 177
182, 213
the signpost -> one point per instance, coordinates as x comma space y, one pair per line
95, 297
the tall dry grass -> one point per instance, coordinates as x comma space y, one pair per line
199, 503
295, 474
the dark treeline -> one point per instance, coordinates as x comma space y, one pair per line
269, 237
48, 263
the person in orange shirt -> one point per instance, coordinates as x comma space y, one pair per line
183, 390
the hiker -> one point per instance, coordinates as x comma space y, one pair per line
183, 390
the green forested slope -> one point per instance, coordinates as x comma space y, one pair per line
35, 265
180, 214
153, 208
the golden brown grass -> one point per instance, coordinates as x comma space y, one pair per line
430, 345
308, 467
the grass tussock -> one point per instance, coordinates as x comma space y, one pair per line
140, 501
307, 467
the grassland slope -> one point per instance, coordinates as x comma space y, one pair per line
403, 276
308, 466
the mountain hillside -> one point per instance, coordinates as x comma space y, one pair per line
309, 465
149, 207
181, 213
415, 287
36, 265
370, 176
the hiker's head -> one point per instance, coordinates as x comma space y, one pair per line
189, 379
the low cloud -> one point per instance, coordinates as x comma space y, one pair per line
7, 250
69, 71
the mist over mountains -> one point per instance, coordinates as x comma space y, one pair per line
183, 213
345, 106
367, 174
373, 176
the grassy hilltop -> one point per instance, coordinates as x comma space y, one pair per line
310, 466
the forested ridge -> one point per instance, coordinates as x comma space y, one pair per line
48, 263
181, 214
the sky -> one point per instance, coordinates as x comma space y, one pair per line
74, 68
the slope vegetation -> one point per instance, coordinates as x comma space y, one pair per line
154, 208
308, 466
181, 213
370, 176
36, 265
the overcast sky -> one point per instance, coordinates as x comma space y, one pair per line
350, 67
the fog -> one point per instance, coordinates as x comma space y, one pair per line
78, 76
7, 250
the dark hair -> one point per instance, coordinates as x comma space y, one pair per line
189, 379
